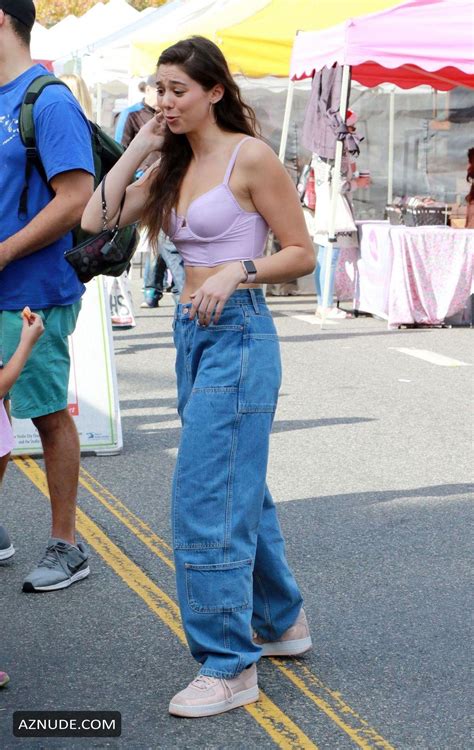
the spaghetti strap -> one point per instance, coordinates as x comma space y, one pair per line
231, 163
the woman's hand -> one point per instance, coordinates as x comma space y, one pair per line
150, 136
208, 301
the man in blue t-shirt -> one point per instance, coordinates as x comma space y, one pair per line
33, 273
122, 117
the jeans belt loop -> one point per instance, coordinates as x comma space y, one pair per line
254, 299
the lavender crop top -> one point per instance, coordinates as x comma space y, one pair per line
217, 229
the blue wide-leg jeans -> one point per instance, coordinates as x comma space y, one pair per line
231, 569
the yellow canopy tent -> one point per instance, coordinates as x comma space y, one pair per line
261, 45
194, 17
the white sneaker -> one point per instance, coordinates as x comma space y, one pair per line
332, 313
207, 696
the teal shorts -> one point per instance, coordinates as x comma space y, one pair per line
42, 387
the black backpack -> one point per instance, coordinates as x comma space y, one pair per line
105, 150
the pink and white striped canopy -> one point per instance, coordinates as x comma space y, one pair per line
418, 42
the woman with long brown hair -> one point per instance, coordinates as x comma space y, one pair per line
216, 190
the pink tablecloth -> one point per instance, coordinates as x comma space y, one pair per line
414, 274
346, 271
374, 268
432, 274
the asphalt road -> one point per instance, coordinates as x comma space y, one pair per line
371, 464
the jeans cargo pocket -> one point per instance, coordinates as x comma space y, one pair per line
261, 374
222, 587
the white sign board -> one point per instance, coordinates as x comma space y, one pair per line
93, 393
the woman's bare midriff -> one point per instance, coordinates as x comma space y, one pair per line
197, 275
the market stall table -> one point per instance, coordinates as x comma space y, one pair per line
432, 274
374, 268
414, 275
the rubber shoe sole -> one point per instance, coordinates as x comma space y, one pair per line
194, 712
5, 554
28, 587
287, 648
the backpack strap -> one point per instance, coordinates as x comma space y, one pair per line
27, 133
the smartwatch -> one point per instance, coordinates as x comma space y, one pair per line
250, 271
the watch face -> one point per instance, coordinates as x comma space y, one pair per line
250, 266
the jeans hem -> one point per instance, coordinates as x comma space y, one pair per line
280, 632
222, 675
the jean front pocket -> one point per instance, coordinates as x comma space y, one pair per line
221, 587
217, 356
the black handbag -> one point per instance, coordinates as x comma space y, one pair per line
108, 252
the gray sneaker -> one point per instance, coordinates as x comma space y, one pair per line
61, 565
6, 547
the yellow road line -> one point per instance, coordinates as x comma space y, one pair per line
283, 731
332, 704
159, 602
125, 516
328, 701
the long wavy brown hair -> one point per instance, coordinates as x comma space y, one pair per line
202, 61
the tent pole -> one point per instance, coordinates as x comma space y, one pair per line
286, 121
391, 146
336, 186
284, 134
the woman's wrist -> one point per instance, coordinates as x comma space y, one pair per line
140, 149
240, 272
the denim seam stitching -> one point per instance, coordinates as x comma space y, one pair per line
216, 673
257, 409
204, 545
175, 502
230, 486
211, 567
266, 605
239, 666
262, 336
202, 609
215, 328
244, 363
216, 389
188, 349
226, 630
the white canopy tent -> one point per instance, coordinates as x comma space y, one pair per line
50, 44
98, 47
105, 62
73, 36
109, 58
